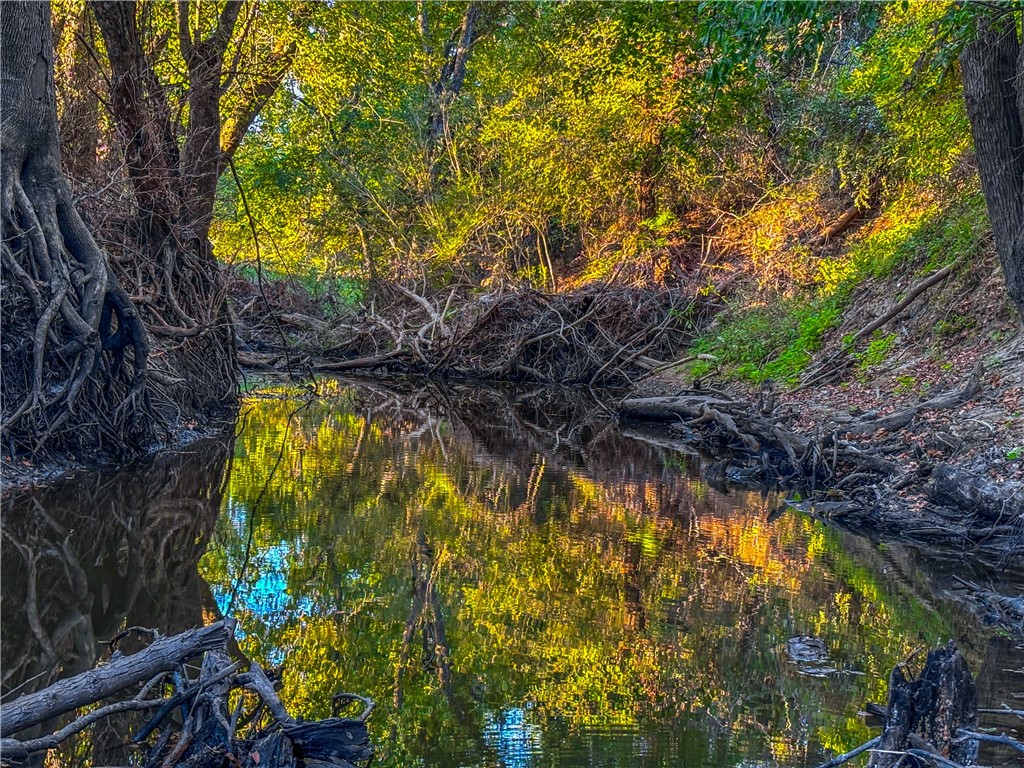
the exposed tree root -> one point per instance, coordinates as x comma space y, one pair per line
75, 352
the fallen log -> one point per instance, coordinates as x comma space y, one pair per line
976, 494
850, 215
902, 418
207, 735
767, 450
830, 368
163, 655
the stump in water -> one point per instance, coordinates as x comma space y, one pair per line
925, 714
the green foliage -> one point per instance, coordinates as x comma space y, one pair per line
768, 344
876, 352
905, 385
777, 342
909, 77
953, 325
607, 121
597, 139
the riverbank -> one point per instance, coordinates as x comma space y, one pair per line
918, 384
906, 419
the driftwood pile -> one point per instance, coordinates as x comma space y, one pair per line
191, 719
599, 336
847, 477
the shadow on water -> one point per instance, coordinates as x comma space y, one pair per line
513, 579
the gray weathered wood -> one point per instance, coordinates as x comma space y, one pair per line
163, 655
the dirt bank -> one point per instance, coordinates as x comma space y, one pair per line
941, 461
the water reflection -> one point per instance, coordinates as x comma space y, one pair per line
515, 582
518, 584
83, 559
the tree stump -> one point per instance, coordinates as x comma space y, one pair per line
925, 713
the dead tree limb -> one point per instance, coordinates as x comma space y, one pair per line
829, 368
1003, 739
847, 756
164, 655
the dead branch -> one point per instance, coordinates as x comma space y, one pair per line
829, 368
603, 335
848, 756
966, 735
206, 733
164, 655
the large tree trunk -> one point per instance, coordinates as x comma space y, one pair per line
184, 302
992, 67
74, 350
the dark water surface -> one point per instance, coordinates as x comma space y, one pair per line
512, 579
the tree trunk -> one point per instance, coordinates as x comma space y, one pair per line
992, 66
75, 352
446, 89
185, 302
924, 714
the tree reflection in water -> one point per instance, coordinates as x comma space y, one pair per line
514, 580
518, 583
85, 558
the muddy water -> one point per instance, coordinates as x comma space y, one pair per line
512, 579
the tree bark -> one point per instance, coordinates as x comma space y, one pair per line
992, 66
78, 104
68, 324
174, 190
927, 712
176, 144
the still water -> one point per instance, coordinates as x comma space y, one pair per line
515, 581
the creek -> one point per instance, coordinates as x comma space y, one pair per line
515, 580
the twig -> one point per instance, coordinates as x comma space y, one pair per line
1001, 739
1004, 711
840, 759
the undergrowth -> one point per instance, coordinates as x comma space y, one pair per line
774, 337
